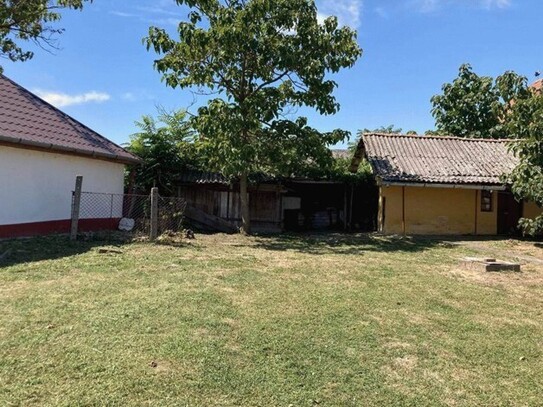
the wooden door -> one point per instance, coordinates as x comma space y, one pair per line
509, 213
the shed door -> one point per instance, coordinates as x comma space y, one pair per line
509, 213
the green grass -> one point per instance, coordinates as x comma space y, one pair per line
286, 321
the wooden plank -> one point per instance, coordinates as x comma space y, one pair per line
76, 204
211, 221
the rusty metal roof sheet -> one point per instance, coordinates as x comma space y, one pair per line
191, 176
203, 177
30, 122
435, 159
342, 153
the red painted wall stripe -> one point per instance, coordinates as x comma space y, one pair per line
56, 226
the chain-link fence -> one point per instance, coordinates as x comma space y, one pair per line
127, 212
170, 214
98, 211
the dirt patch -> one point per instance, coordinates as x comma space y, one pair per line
405, 363
511, 281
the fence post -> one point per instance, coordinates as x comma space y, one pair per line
76, 204
154, 214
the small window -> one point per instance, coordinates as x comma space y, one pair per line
486, 201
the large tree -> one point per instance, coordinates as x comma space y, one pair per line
505, 107
30, 20
477, 106
525, 125
259, 58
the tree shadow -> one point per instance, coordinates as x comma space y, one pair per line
22, 251
341, 243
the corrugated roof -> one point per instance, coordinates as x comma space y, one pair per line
30, 122
208, 177
203, 177
341, 153
435, 159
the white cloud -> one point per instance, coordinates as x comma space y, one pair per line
382, 12
164, 21
348, 12
497, 3
165, 12
136, 96
129, 96
427, 6
156, 12
122, 14
62, 99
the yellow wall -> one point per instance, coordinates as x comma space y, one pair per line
530, 210
436, 211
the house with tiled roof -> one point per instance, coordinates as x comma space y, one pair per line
442, 185
42, 150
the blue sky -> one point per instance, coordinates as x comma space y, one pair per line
103, 76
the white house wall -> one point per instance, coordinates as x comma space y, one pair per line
36, 186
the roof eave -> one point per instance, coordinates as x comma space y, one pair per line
17, 141
479, 186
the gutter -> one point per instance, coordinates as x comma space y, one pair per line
74, 151
433, 185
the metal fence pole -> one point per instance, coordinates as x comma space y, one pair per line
76, 204
154, 214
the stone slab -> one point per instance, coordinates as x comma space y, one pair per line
489, 264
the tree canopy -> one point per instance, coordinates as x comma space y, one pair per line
30, 20
477, 106
259, 59
525, 124
166, 147
390, 129
504, 107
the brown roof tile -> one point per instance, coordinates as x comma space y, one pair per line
537, 85
342, 153
30, 122
435, 159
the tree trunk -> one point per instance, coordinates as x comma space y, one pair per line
244, 199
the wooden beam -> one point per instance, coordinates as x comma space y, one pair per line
403, 211
476, 210
212, 222
76, 205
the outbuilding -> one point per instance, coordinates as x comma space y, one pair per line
434, 185
42, 150
278, 204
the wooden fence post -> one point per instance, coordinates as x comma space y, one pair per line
154, 214
76, 204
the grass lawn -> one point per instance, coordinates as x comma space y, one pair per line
327, 320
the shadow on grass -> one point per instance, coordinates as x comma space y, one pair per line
340, 243
21, 251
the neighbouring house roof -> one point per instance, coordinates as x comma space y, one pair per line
203, 177
537, 85
208, 177
342, 153
27, 121
215, 178
435, 159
